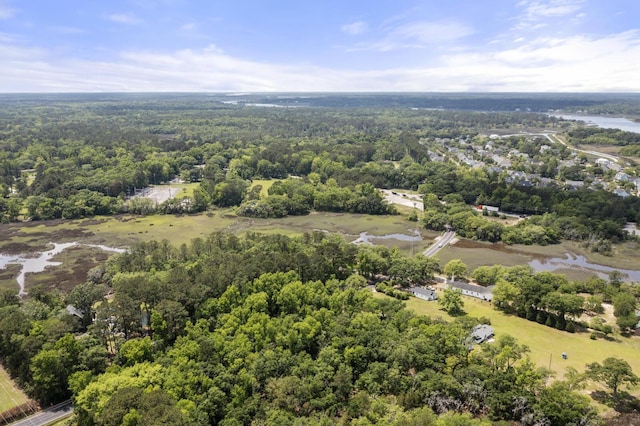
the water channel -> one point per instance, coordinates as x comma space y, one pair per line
572, 261
366, 238
43, 260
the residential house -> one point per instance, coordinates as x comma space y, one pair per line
423, 293
473, 290
574, 184
481, 333
622, 177
621, 193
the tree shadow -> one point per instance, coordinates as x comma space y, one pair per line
454, 313
625, 403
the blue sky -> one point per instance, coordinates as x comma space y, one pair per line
328, 45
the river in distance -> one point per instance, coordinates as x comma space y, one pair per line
604, 122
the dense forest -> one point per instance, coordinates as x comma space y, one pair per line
270, 330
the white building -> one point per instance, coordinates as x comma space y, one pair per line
424, 293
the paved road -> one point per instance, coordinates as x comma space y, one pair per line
555, 139
440, 244
403, 198
47, 416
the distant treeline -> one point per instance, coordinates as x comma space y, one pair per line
597, 136
78, 159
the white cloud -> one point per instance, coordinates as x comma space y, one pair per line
550, 8
68, 30
191, 26
355, 28
7, 38
415, 35
424, 33
7, 12
124, 18
537, 13
577, 63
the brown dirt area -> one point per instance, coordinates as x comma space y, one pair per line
626, 419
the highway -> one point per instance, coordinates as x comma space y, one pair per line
440, 244
47, 416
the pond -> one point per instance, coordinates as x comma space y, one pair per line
42, 261
572, 261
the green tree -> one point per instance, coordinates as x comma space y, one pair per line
624, 309
168, 319
561, 406
451, 301
505, 294
135, 351
49, 377
593, 304
83, 297
488, 275
562, 304
613, 372
132, 406
455, 268
229, 193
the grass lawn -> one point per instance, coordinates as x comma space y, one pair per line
185, 189
546, 344
265, 183
10, 395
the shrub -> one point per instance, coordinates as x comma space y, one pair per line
551, 321
541, 318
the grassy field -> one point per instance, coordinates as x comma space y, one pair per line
265, 183
10, 395
546, 344
185, 189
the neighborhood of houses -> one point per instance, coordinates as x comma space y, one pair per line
543, 164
